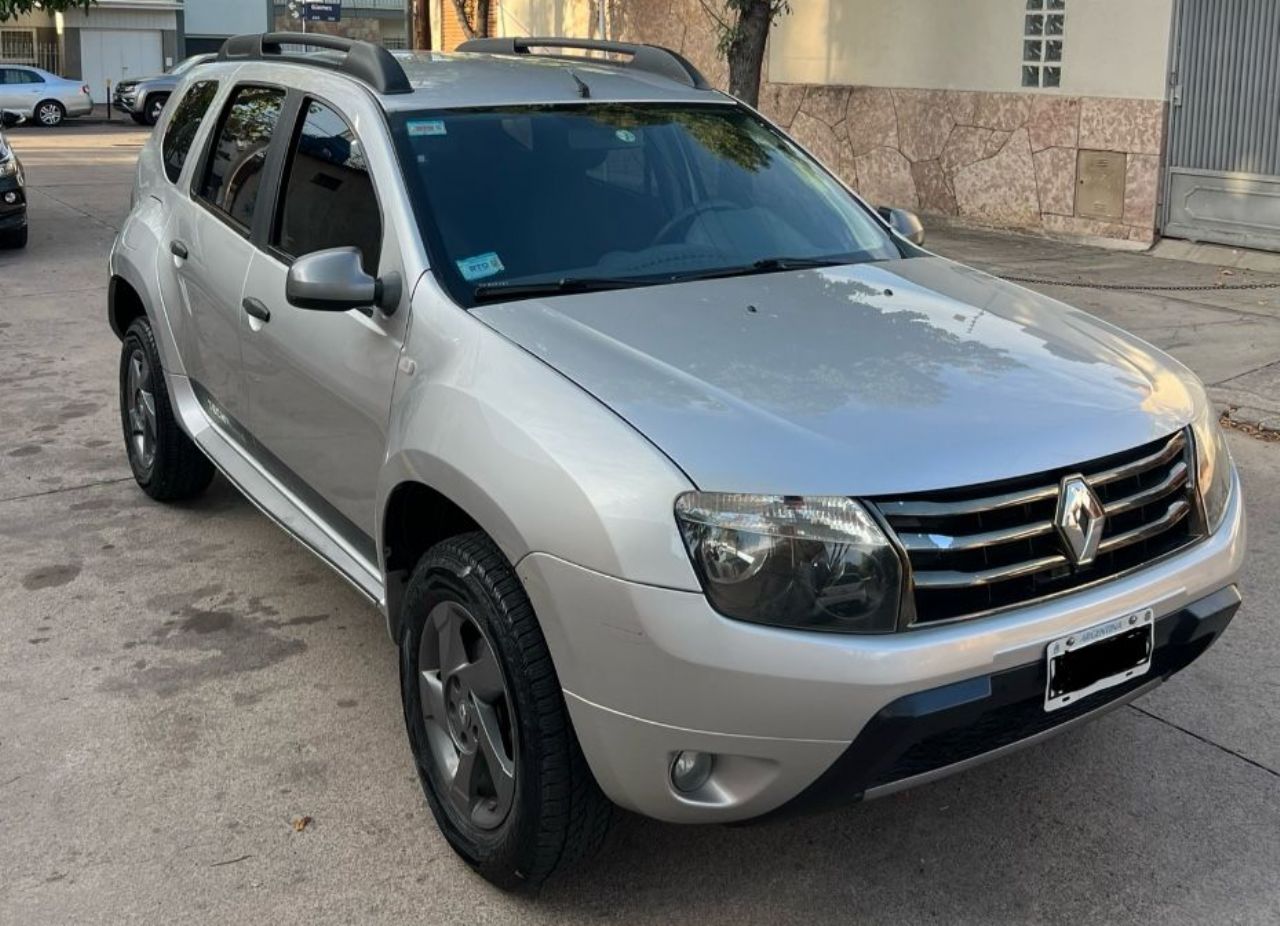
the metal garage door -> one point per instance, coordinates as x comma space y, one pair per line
1223, 177
113, 54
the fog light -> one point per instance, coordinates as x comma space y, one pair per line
10, 197
690, 770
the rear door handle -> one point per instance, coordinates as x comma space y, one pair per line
179, 250
255, 308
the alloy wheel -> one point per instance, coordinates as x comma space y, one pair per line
154, 109
140, 406
49, 115
468, 715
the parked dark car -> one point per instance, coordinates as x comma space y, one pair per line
13, 196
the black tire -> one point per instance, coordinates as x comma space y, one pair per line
49, 113
153, 106
14, 240
558, 814
175, 468
139, 118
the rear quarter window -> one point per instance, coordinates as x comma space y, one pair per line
184, 124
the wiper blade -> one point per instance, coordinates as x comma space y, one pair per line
494, 292
768, 265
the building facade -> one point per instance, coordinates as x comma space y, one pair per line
209, 23
385, 22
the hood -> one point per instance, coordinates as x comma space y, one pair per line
871, 379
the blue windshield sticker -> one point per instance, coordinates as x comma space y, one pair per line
420, 127
480, 266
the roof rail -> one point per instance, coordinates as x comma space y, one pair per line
364, 61
652, 58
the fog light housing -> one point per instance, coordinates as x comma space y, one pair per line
690, 770
10, 198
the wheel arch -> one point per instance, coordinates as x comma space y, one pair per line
124, 305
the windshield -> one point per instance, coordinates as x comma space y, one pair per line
183, 66
602, 195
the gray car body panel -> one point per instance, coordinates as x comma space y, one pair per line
567, 427
888, 378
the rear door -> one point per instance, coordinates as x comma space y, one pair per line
210, 248
320, 383
20, 89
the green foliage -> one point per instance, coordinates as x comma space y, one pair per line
12, 8
730, 29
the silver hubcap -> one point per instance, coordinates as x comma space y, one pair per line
140, 406
156, 108
49, 115
468, 716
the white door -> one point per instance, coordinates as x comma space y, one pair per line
118, 54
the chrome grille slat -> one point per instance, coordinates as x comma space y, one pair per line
922, 541
1177, 444
1177, 511
954, 579
1176, 479
977, 549
931, 509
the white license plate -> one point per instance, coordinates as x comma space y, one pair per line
1098, 658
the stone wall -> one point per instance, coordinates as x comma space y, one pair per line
1000, 159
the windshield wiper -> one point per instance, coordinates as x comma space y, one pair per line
494, 292
767, 265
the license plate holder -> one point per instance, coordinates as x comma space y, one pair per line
1098, 657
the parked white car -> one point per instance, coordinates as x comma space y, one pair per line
44, 98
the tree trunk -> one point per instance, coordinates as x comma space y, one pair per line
746, 51
421, 24
482, 17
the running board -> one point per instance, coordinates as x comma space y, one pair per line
269, 496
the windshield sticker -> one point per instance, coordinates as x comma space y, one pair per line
625, 135
421, 127
480, 266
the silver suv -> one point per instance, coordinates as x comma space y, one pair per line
144, 98
685, 481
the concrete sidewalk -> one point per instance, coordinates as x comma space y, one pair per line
1222, 322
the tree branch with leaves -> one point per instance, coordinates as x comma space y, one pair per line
474, 17
12, 8
743, 28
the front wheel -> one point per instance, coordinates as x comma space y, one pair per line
50, 114
494, 747
166, 463
155, 106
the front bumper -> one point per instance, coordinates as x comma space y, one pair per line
649, 671
125, 103
12, 215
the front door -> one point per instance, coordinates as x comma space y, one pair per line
320, 383
20, 89
210, 249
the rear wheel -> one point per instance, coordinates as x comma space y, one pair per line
166, 463
154, 107
495, 750
50, 113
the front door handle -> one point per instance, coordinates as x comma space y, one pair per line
255, 308
179, 250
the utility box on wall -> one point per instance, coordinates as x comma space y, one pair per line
1100, 184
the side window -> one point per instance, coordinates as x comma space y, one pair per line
183, 126
16, 76
329, 200
234, 171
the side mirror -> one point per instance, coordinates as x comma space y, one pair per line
335, 281
9, 118
905, 222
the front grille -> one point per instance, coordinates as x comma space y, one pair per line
996, 546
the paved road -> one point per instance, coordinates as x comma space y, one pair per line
178, 684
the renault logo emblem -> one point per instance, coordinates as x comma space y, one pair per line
1080, 520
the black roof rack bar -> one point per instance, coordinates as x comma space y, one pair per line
364, 61
652, 58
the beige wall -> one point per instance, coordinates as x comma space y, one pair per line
547, 17
1112, 48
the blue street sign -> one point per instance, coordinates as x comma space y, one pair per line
323, 12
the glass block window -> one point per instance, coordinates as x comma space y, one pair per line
1044, 25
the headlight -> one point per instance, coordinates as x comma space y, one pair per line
1213, 467
8, 167
807, 563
